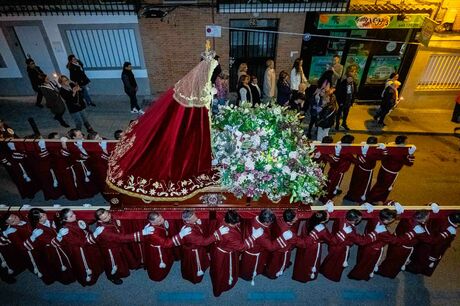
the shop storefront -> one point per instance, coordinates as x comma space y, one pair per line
371, 47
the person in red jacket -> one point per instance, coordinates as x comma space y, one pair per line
426, 257
363, 171
337, 170
388, 173
370, 255
113, 242
16, 231
254, 259
341, 242
51, 259
308, 257
224, 269
159, 256
195, 258
85, 257
280, 259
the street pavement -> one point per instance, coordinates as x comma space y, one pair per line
434, 177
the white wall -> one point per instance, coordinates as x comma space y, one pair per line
12, 69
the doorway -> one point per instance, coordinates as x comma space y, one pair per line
252, 48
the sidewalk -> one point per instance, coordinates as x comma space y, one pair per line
113, 113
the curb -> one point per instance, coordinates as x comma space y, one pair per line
370, 132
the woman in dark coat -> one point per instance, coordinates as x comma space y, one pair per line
78, 75
50, 91
284, 89
72, 96
130, 85
326, 117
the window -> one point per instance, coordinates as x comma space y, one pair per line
2, 62
442, 72
104, 48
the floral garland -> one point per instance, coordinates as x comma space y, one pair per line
262, 150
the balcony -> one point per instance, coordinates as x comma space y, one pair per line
68, 7
282, 6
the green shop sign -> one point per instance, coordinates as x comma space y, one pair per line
370, 21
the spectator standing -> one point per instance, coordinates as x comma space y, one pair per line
270, 80
283, 89
222, 88
337, 70
217, 71
389, 101
298, 100
242, 70
34, 72
297, 75
50, 91
244, 91
346, 92
255, 90
456, 113
78, 75
71, 93
130, 85
315, 108
325, 80
327, 115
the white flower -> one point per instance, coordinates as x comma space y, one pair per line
214, 162
255, 140
233, 167
286, 170
293, 176
268, 167
293, 154
249, 164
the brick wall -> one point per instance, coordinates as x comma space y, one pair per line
173, 46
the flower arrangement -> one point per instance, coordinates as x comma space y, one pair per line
262, 150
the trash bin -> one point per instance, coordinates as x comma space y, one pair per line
456, 113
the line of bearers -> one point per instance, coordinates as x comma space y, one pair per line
67, 250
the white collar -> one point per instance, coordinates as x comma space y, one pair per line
454, 225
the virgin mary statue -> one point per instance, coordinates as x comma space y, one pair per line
165, 155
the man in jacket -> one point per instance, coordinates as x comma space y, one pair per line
346, 92
34, 72
130, 86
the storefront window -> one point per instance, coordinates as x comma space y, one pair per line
381, 67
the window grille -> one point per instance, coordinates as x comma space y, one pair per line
441, 73
104, 48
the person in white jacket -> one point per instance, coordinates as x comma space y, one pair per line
269, 87
297, 75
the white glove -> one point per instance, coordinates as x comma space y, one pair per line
319, 227
287, 235
368, 206
79, 145
42, 144
317, 155
98, 231
8, 231
35, 234
103, 145
184, 231
434, 207
381, 146
314, 143
338, 148
380, 228
452, 230
364, 149
418, 229
347, 228
256, 233
62, 232
64, 139
223, 230
329, 206
11, 146
399, 208
412, 149
148, 230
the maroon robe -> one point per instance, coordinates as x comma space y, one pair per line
361, 178
339, 249
98, 164
253, 260
116, 254
279, 260
195, 258
336, 173
44, 167
51, 260
370, 256
391, 165
426, 256
159, 256
85, 257
224, 269
16, 239
308, 257
12, 260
